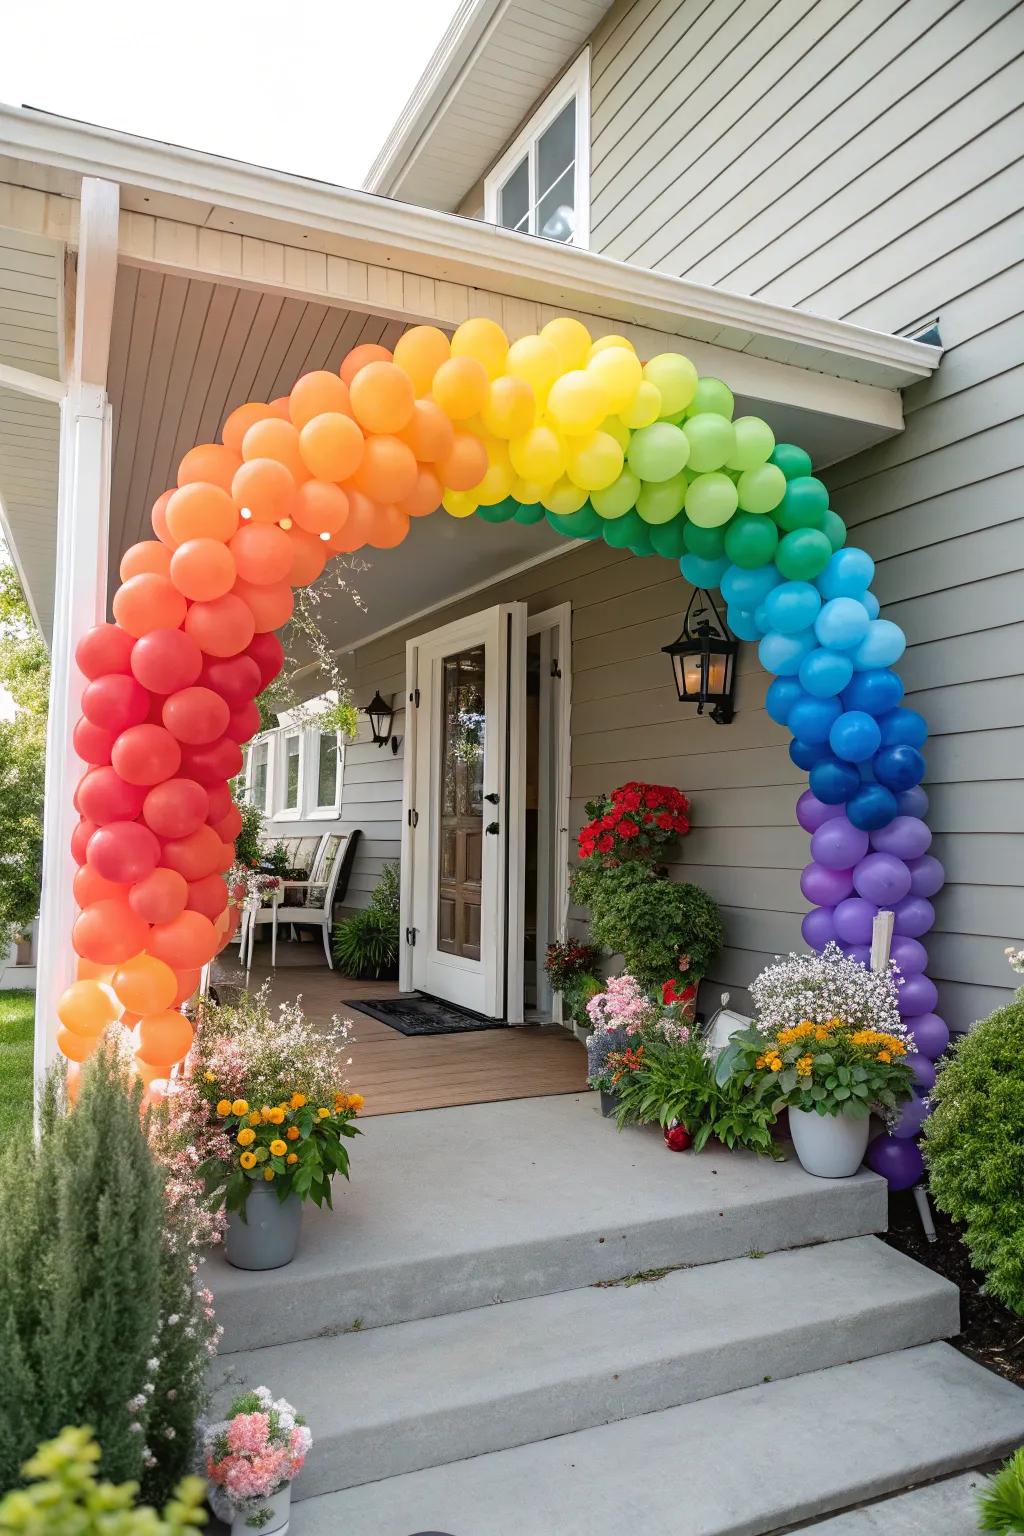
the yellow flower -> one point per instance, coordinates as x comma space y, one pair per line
265, 1110
776, 1064
240, 1107
292, 1133
804, 1065
224, 1107
761, 1063
323, 1114
292, 1157
208, 1077
274, 1116
255, 1118
246, 1136
248, 1160
277, 1147
297, 1100
268, 1174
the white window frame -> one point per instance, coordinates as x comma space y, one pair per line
281, 811
267, 807
318, 812
574, 83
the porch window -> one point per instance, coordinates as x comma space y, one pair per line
292, 747
541, 185
327, 770
259, 756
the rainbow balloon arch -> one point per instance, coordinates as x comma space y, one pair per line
556, 427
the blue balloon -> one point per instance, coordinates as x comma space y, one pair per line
903, 728
833, 782
743, 624
855, 736
883, 644
810, 720
703, 573
876, 691
842, 623
898, 768
825, 673
748, 588
782, 694
870, 807
807, 754
791, 607
912, 802
848, 573
782, 654
872, 604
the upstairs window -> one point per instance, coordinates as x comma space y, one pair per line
541, 185
259, 757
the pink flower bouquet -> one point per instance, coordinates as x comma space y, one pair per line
253, 1454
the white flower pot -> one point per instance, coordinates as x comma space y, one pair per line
829, 1146
269, 1517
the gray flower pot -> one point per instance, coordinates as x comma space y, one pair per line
609, 1104
268, 1236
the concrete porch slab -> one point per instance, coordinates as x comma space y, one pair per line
941, 1509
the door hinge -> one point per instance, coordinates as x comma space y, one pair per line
414, 818
414, 698
410, 937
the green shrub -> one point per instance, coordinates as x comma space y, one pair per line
974, 1148
1001, 1499
366, 944
676, 1084
248, 843
649, 920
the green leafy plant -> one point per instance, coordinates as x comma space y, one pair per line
666, 1084
1001, 1498
276, 856
660, 928
366, 944
25, 675
572, 970
974, 1147
249, 842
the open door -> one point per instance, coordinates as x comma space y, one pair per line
462, 848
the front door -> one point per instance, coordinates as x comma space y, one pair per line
464, 791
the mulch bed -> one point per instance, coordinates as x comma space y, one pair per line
991, 1333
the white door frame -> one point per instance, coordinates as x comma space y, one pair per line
558, 621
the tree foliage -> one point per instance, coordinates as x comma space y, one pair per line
25, 679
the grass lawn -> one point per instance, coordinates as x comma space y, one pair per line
17, 1011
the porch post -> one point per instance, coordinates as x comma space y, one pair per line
83, 516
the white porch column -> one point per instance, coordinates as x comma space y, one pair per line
83, 517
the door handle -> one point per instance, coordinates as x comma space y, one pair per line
493, 828
493, 798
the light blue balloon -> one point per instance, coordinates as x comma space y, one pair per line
848, 573
811, 720
872, 604
703, 573
883, 645
743, 623
782, 654
841, 624
855, 736
746, 589
791, 607
825, 673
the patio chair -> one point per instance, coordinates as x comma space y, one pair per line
311, 902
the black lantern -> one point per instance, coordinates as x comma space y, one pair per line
704, 660
381, 715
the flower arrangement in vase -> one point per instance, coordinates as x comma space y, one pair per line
624, 1017
252, 1458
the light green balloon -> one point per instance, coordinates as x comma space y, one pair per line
713, 396
755, 443
712, 441
660, 503
676, 379
761, 489
658, 452
617, 499
711, 500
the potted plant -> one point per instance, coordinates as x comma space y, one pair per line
572, 971
252, 1458
828, 1044
671, 1082
366, 944
623, 1017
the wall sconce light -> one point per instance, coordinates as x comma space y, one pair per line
381, 714
703, 660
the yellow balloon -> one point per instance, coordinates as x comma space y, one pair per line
620, 372
563, 498
483, 340
460, 503
645, 407
594, 462
510, 408
570, 339
538, 455
604, 342
614, 426
534, 359
496, 483
527, 492
578, 402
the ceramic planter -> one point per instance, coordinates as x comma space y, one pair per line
270, 1517
609, 1104
829, 1146
268, 1236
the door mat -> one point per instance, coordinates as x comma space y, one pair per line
420, 1015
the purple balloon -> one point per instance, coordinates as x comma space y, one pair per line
818, 928
824, 887
912, 1117
923, 1071
838, 844
912, 802
917, 995
859, 952
927, 875
906, 836
909, 956
853, 919
882, 878
930, 1034
914, 916
812, 813
899, 1162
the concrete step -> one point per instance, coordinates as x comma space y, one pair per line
949, 1508
420, 1394
459, 1208
750, 1462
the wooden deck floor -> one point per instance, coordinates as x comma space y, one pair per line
397, 1072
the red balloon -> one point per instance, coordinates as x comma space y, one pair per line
92, 742
160, 896
244, 722
267, 652
196, 716
80, 839
237, 679
115, 701
166, 660
227, 857
187, 941
109, 932
209, 896
146, 754
123, 851
220, 802
176, 807
103, 797
105, 648
220, 760
194, 856
229, 826
89, 887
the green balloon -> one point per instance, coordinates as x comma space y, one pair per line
834, 529
668, 539
530, 513
624, 532
712, 440
761, 489
803, 506
793, 461
755, 442
711, 500
617, 499
584, 524
714, 396
658, 452
642, 544
751, 541
676, 378
661, 502
803, 554
708, 543
500, 512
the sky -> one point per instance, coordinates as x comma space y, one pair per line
311, 86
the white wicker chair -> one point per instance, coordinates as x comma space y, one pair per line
310, 903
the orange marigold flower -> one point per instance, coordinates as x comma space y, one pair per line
805, 1065
246, 1136
278, 1148
248, 1160
292, 1157
268, 1174
224, 1108
297, 1100
885, 1056
274, 1116
255, 1118
240, 1107
356, 1101
292, 1133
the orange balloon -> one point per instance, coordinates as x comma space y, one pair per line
271, 606
201, 511
466, 464
388, 471
90, 886
165, 1036
223, 627
310, 553
87, 1007
186, 942
76, 1047
160, 896
203, 569
389, 528
316, 393
150, 557
158, 519
188, 981
239, 422
382, 398
145, 984
279, 407
211, 463
263, 487
359, 357
276, 439
109, 932
148, 602
430, 433
194, 856
319, 506
460, 387
262, 553
356, 529
88, 970
332, 446
425, 496
420, 353
148, 1074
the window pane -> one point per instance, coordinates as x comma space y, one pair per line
327, 769
556, 151
514, 198
556, 213
291, 777
258, 778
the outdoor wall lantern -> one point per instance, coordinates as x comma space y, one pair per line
704, 660
381, 714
